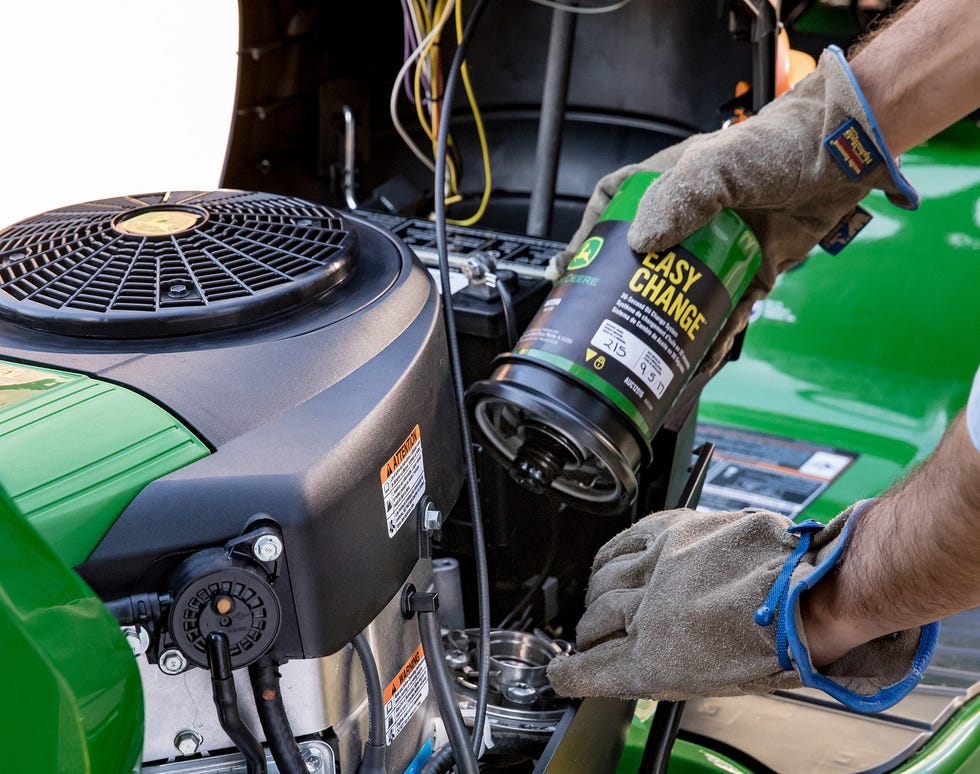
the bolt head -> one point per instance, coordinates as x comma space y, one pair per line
188, 742
267, 548
432, 518
172, 662
313, 761
138, 639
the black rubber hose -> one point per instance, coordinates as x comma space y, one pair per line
264, 675
441, 762
226, 703
663, 732
374, 749
479, 541
445, 695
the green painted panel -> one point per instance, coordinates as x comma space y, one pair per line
872, 350
955, 750
73, 697
685, 757
77, 451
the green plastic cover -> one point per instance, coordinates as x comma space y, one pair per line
72, 695
76, 451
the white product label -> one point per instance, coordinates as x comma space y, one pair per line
405, 694
403, 481
647, 365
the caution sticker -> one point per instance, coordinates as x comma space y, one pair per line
405, 694
403, 481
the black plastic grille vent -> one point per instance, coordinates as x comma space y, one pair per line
170, 263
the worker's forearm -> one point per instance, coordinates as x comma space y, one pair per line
912, 558
922, 73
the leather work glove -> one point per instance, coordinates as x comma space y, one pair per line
794, 172
686, 604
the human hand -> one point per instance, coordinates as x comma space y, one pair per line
674, 607
784, 171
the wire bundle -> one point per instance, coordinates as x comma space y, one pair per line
421, 79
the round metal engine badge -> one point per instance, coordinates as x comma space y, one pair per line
159, 221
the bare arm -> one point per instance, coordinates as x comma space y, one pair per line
912, 558
922, 73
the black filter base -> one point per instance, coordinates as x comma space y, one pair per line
552, 432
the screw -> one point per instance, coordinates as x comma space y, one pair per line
304, 222
138, 639
432, 518
188, 742
313, 760
178, 290
172, 662
267, 548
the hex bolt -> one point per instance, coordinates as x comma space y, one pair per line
432, 518
172, 662
267, 548
178, 290
138, 639
313, 760
188, 742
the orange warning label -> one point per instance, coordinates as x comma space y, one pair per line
404, 673
405, 694
401, 455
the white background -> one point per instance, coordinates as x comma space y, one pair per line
112, 97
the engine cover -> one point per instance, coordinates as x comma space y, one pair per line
304, 348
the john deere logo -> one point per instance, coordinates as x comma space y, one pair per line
586, 253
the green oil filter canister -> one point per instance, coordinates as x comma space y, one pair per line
576, 404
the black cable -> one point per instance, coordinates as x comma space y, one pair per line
663, 731
442, 686
479, 541
226, 703
510, 313
374, 748
264, 676
441, 761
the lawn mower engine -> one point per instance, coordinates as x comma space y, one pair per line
231, 413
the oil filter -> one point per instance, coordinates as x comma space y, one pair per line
574, 407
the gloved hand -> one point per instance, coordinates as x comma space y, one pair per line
674, 609
795, 173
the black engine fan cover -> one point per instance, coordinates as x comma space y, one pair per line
303, 408
169, 263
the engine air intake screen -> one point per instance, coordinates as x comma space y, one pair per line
170, 263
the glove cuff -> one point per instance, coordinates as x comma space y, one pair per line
872, 702
844, 144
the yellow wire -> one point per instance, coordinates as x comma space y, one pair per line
481, 134
431, 56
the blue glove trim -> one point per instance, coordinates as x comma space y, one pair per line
766, 613
875, 702
904, 186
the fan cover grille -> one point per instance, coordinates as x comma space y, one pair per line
170, 263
